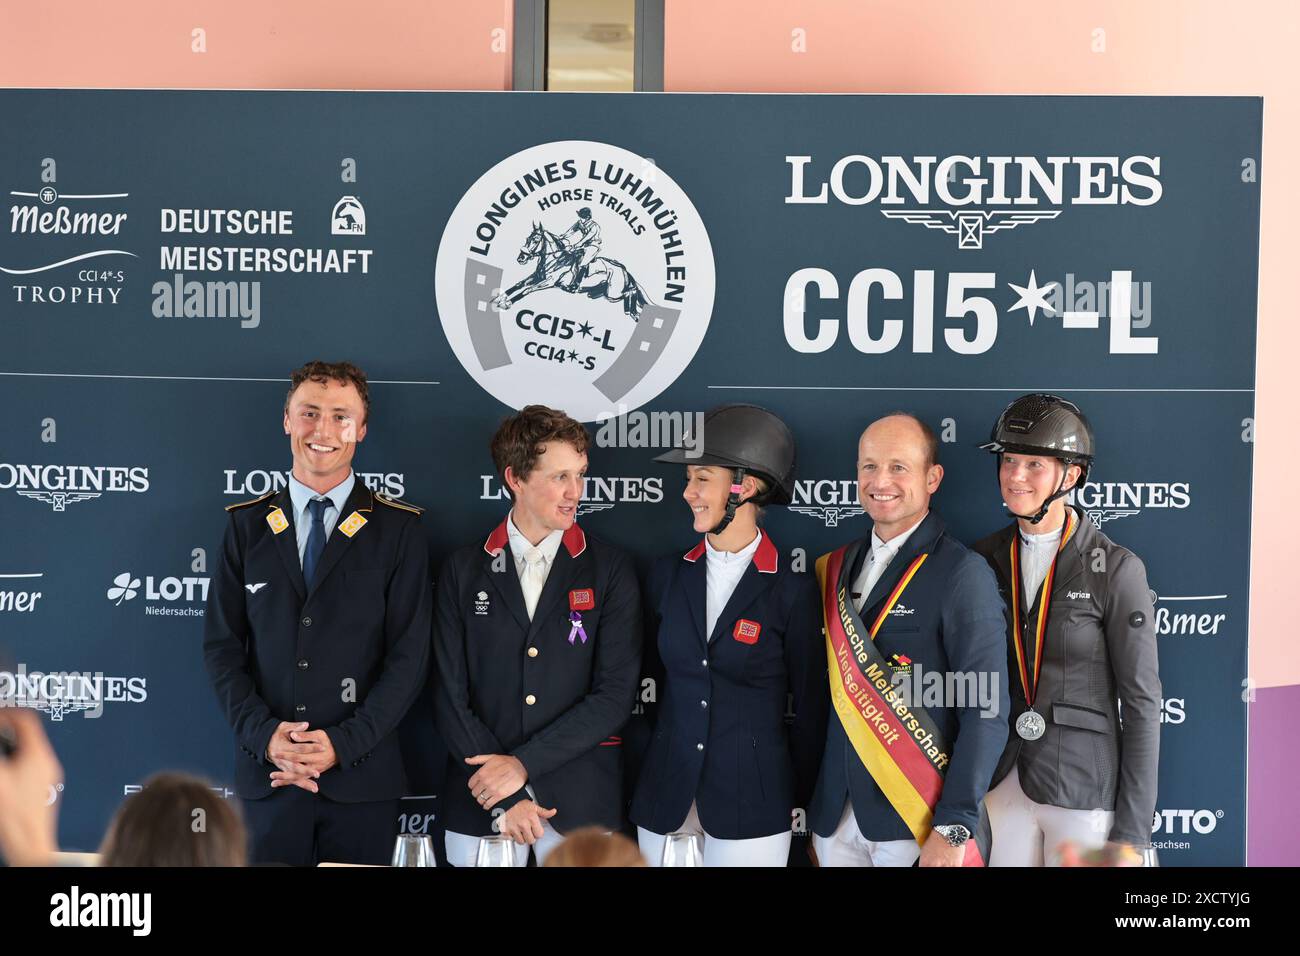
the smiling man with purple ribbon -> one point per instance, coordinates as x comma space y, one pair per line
532, 694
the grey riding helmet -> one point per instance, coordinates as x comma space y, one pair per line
1047, 425
749, 440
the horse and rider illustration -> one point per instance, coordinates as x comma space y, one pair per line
570, 262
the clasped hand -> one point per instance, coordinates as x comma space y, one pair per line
301, 755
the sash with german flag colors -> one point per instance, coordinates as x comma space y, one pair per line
1030, 684
899, 744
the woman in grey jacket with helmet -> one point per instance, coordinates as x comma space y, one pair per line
1081, 645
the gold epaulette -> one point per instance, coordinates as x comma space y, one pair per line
245, 504
394, 503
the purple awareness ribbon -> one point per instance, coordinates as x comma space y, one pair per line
575, 619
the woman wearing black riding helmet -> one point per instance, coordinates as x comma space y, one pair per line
1081, 635
737, 631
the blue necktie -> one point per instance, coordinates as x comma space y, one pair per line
315, 540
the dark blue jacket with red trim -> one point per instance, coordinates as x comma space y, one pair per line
950, 619
508, 685
721, 738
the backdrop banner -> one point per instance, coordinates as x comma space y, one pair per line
167, 258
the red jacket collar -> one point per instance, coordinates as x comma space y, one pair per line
765, 558
497, 539
574, 540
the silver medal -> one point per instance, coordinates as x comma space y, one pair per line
1030, 725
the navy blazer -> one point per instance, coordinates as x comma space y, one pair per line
951, 620
509, 685
348, 656
720, 737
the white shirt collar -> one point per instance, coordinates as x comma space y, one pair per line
743, 556
895, 544
519, 545
300, 494
1042, 540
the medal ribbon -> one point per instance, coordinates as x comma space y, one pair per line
1045, 601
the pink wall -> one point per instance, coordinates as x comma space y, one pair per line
266, 44
1033, 46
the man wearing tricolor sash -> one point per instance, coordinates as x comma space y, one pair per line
916, 667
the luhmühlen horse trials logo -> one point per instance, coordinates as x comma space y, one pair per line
576, 274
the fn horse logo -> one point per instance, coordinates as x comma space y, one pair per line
576, 274
348, 217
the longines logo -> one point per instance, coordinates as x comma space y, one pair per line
60, 693
61, 485
598, 493
161, 594
576, 274
1106, 501
828, 500
1173, 710
959, 185
254, 484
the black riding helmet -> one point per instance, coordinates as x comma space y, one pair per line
749, 440
1047, 425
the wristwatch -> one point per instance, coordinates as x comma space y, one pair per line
954, 833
